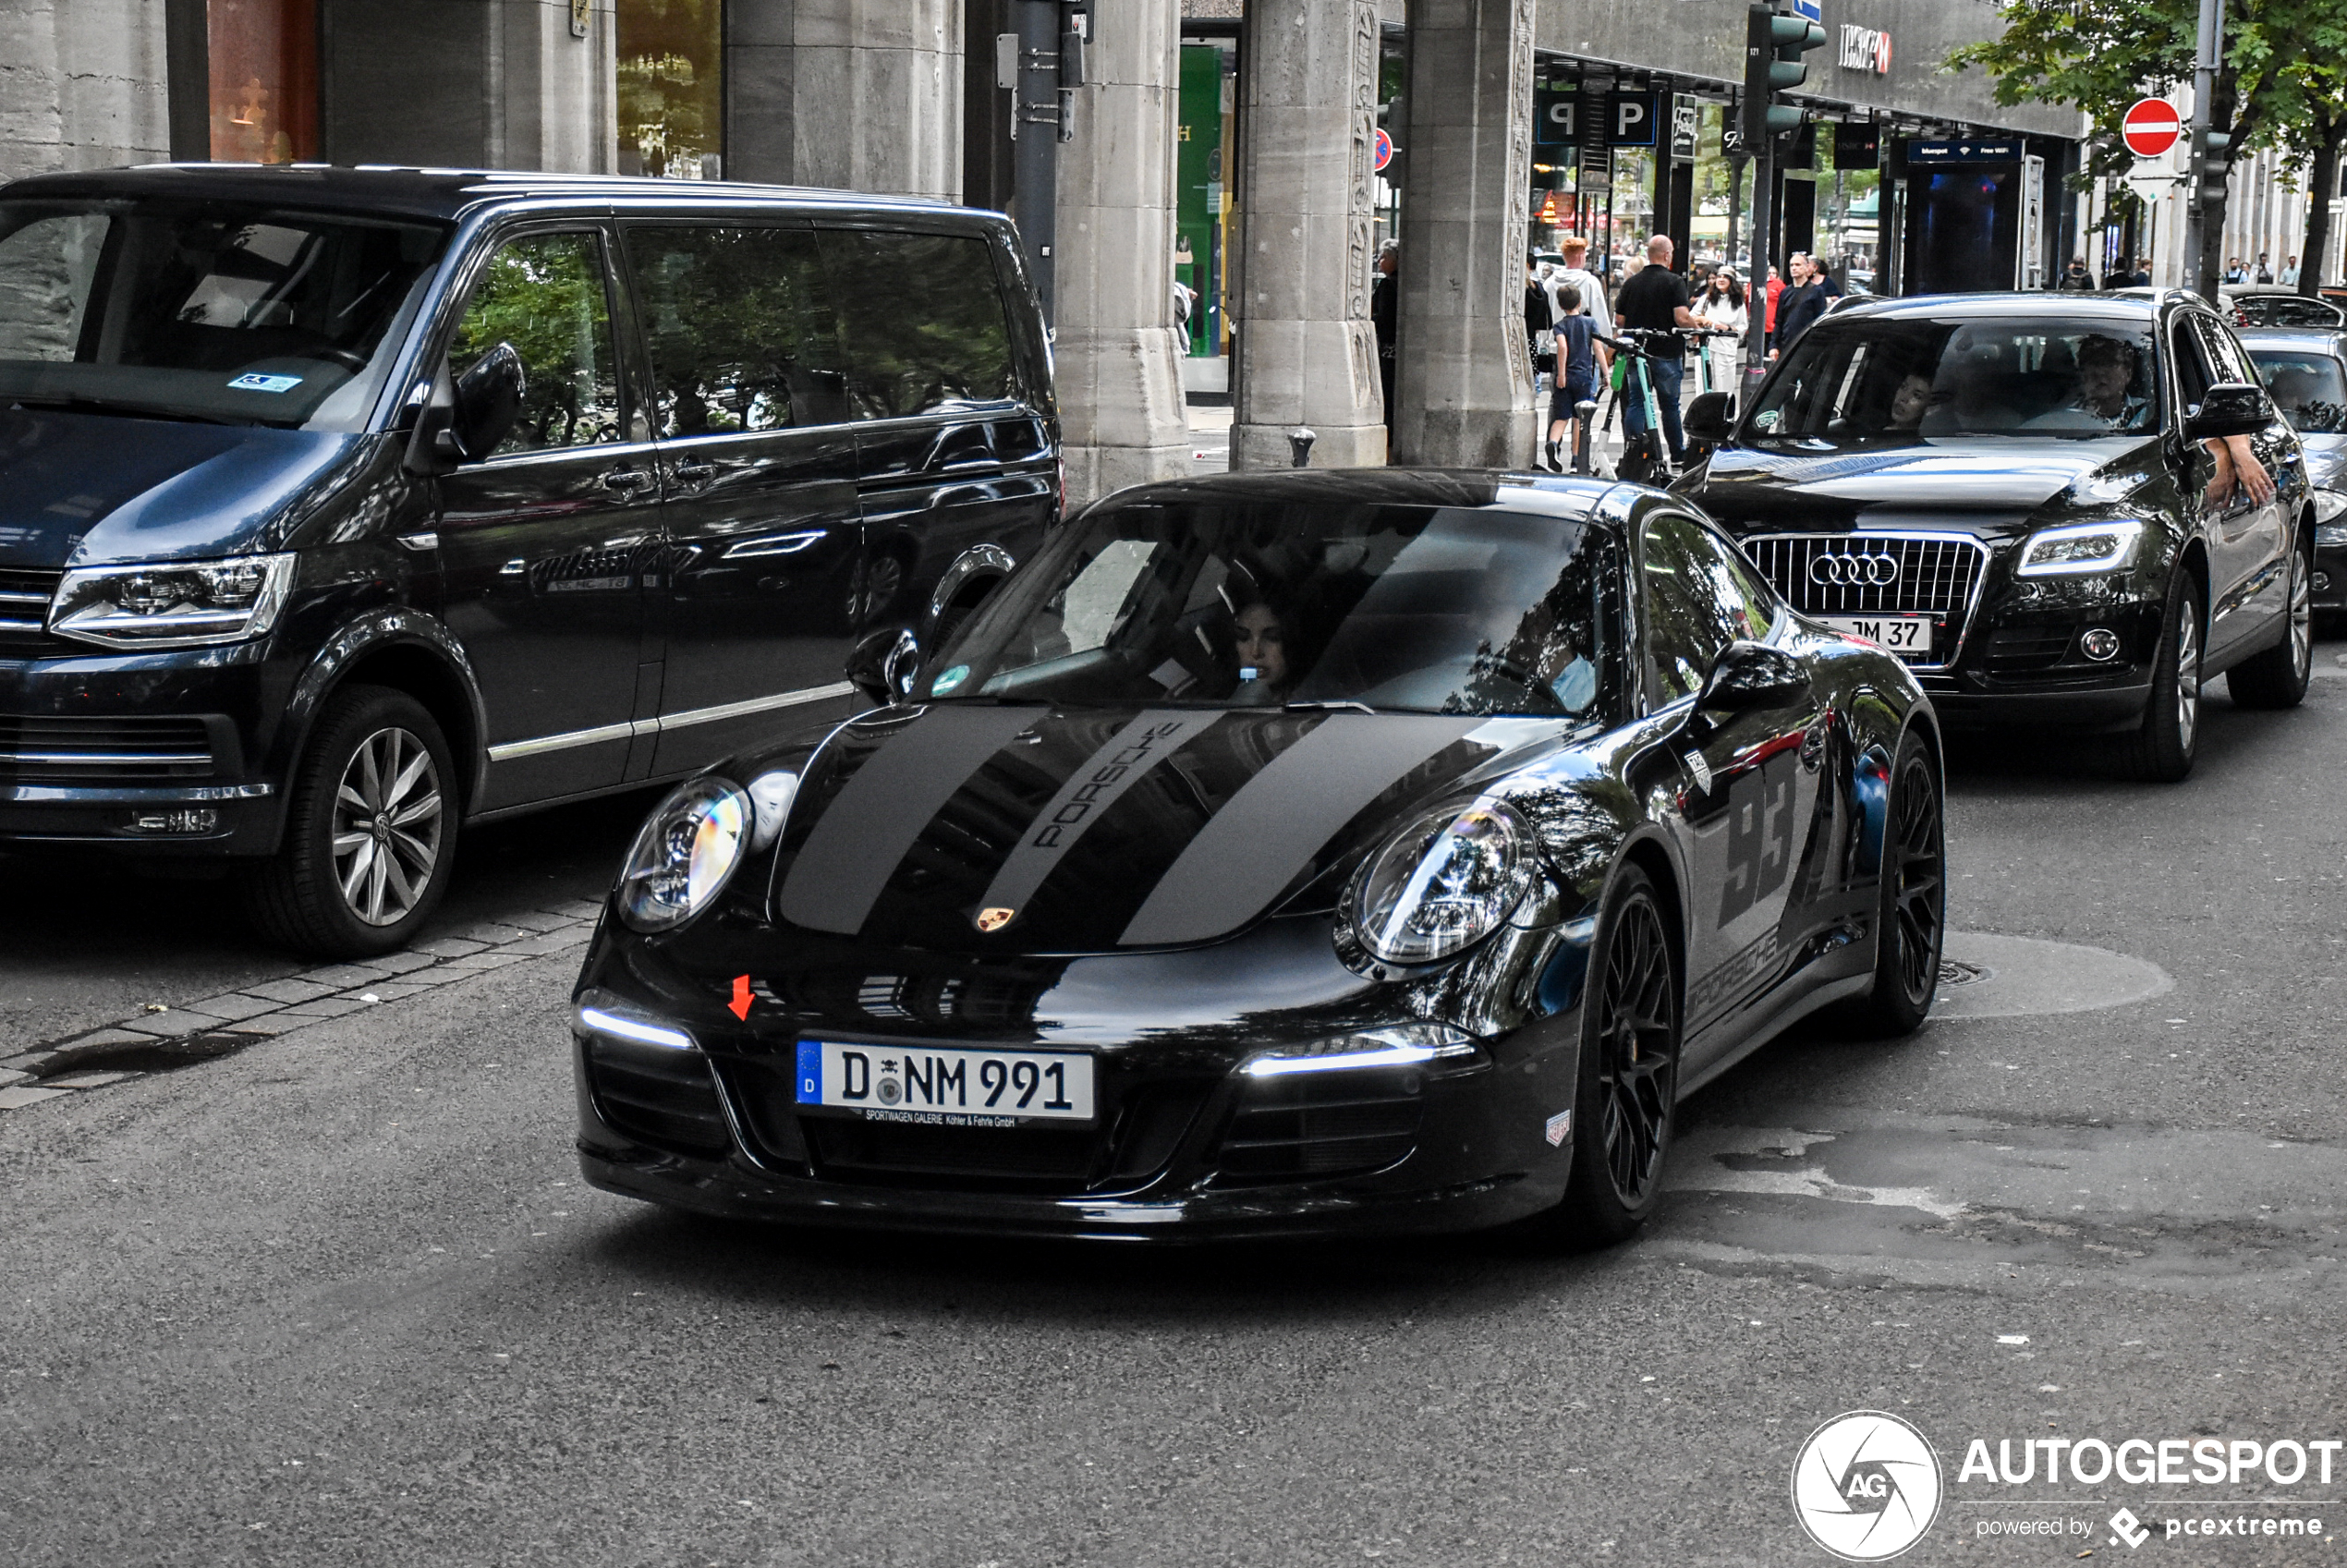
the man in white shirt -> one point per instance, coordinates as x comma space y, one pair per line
2289, 278
1575, 251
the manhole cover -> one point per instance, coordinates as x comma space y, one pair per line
1955, 973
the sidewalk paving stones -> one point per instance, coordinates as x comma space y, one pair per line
341, 977
451, 947
17, 1098
491, 933
179, 1021
10, 1077
554, 941
402, 962
289, 991
233, 1005
87, 1080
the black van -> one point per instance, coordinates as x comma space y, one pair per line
340, 506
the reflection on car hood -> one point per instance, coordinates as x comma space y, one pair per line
973, 828
2325, 460
1983, 473
81, 488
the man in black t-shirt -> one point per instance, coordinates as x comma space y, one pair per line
1656, 301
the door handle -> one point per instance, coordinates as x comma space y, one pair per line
694, 474
627, 480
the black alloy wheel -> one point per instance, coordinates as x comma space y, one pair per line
2162, 747
371, 831
1626, 1105
1912, 925
2278, 678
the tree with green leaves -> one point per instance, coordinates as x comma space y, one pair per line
2315, 128
2099, 58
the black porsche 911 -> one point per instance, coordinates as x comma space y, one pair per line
1274, 854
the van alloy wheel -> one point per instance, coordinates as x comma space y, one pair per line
388, 815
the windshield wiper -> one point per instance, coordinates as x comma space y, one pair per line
82, 400
1341, 704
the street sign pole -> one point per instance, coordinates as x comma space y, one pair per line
2206, 208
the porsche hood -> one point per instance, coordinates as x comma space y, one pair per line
1013, 829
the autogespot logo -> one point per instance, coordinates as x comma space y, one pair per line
1865, 1486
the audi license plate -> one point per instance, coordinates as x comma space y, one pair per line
1907, 636
945, 1087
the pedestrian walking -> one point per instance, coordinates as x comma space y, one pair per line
2288, 277
1574, 250
1385, 305
1722, 309
1656, 300
2075, 279
1768, 312
1575, 337
2265, 268
1801, 305
2234, 272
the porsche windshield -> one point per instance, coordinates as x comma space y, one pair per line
1416, 609
1897, 381
229, 312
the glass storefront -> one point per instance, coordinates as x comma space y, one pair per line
263, 58
1205, 148
671, 94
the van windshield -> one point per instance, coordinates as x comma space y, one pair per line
235, 313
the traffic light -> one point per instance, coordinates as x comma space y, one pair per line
1773, 44
2210, 162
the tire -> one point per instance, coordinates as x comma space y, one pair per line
1625, 1103
2161, 749
2278, 678
1911, 921
371, 831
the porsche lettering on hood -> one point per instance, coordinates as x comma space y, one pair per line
1022, 828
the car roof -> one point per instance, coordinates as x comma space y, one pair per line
2140, 306
2330, 340
445, 194
1566, 497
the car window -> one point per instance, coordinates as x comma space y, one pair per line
1409, 608
1894, 379
2195, 370
923, 321
2224, 351
545, 295
1699, 596
741, 329
2308, 388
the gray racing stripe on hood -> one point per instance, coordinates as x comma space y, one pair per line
1279, 819
1142, 745
871, 823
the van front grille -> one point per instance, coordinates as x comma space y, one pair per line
106, 750
24, 605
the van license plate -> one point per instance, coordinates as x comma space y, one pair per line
1907, 636
945, 1087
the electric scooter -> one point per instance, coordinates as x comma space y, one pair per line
1645, 456
1701, 336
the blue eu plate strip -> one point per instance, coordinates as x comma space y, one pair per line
811, 1072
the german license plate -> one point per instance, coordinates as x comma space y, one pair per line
1909, 636
945, 1087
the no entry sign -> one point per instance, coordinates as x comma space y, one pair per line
2151, 127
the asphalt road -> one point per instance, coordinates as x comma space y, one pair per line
341, 1299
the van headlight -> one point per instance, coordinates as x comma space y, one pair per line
1443, 883
684, 855
2077, 549
172, 603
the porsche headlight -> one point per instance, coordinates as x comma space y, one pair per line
172, 603
684, 855
1443, 883
2330, 517
2077, 549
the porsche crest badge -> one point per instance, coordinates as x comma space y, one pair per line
994, 919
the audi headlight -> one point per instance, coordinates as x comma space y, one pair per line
684, 855
2330, 517
2077, 549
1443, 883
172, 603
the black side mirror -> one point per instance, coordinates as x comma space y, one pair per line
885, 664
488, 400
1752, 675
1710, 417
2229, 407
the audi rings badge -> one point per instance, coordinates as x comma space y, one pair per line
1840, 570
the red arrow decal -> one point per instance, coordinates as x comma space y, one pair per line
740, 1007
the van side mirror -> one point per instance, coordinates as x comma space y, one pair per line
464, 416
1710, 417
2229, 407
884, 665
1752, 675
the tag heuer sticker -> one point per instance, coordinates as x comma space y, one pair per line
1558, 1126
1700, 771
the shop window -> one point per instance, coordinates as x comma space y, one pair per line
672, 97
263, 56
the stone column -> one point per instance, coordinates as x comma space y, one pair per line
1462, 384
1306, 354
1117, 353
496, 84
846, 94
81, 85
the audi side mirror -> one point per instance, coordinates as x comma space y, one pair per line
1710, 417
1752, 675
885, 664
2229, 407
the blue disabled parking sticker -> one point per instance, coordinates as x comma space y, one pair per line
257, 383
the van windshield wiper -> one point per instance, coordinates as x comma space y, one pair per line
1332, 705
83, 402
